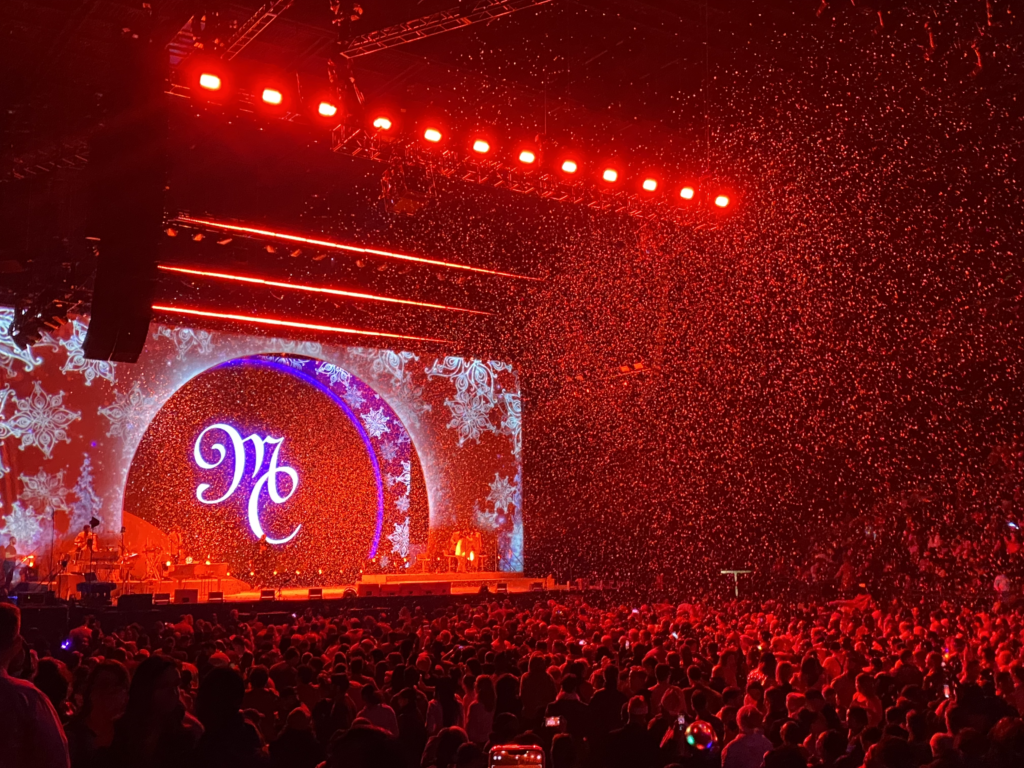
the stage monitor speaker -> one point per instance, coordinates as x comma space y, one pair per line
215, 597
186, 596
127, 175
140, 602
44, 597
502, 588
30, 588
162, 598
267, 595
369, 590
315, 593
436, 588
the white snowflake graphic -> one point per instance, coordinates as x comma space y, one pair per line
25, 525
334, 374
185, 340
405, 477
298, 363
512, 424
400, 539
10, 353
89, 503
476, 394
387, 362
388, 450
354, 397
376, 422
384, 561
129, 411
402, 504
77, 362
309, 348
39, 419
502, 493
44, 491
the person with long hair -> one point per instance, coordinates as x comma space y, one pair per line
104, 698
154, 731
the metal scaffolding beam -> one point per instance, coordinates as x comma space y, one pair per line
435, 24
258, 22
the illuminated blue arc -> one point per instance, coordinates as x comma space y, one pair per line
283, 368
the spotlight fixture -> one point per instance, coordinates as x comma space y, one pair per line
569, 166
432, 135
210, 81
326, 109
650, 185
686, 193
272, 96
722, 201
382, 123
481, 146
526, 157
610, 175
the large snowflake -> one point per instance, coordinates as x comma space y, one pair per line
376, 422
400, 539
128, 412
476, 393
26, 526
502, 495
10, 353
39, 419
77, 362
185, 340
402, 504
404, 477
334, 373
44, 491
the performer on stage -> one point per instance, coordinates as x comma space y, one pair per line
84, 543
174, 546
9, 559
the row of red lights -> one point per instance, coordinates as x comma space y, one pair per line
569, 166
433, 134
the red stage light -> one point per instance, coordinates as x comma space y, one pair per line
610, 175
569, 166
326, 109
382, 123
314, 289
341, 247
527, 157
286, 323
481, 146
210, 81
686, 193
432, 135
650, 185
722, 201
272, 96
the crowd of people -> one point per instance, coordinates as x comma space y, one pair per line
594, 685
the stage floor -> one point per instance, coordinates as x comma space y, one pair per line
231, 590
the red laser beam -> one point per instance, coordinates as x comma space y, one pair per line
315, 289
342, 247
288, 323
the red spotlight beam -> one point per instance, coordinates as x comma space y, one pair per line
341, 247
287, 323
314, 289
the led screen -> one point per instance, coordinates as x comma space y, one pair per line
270, 455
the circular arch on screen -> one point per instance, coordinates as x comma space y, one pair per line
262, 362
